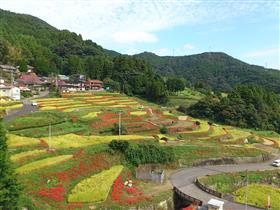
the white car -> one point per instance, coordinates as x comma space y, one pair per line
34, 104
276, 163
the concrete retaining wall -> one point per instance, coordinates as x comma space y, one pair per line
233, 160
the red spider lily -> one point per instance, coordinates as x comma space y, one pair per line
55, 193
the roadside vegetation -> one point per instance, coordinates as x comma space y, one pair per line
262, 184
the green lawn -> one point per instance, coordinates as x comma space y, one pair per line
258, 194
230, 182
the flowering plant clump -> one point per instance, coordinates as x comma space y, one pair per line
127, 193
54, 193
96, 163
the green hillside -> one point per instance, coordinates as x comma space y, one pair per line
25, 39
216, 70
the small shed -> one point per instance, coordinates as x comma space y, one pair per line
214, 204
152, 172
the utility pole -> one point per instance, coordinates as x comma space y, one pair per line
120, 129
246, 204
50, 135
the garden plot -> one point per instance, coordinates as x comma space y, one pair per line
95, 188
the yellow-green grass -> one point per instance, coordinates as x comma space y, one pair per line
129, 103
19, 141
64, 103
96, 188
258, 195
217, 131
203, 127
117, 106
42, 163
167, 113
48, 108
82, 108
77, 141
90, 115
166, 136
19, 156
105, 102
15, 106
50, 99
237, 133
138, 113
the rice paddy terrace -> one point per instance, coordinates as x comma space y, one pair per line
62, 170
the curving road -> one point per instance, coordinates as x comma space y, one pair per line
27, 107
184, 180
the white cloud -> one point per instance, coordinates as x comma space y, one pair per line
134, 36
163, 51
108, 21
188, 47
132, 51
263, 53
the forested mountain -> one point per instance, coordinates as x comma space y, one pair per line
25, 39
215, 70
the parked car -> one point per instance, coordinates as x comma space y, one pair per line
34, 104
276, 163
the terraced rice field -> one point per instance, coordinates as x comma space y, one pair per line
65, 170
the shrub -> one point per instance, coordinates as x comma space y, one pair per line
115, 129
149, 153
120, 146
163, 130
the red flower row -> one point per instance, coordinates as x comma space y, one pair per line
55, 193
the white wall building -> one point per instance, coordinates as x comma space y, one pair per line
8, 91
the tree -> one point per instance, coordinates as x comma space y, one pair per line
175, 84
9, 187
4, 51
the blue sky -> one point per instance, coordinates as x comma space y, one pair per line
245, 29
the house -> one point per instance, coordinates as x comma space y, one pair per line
8, 91
64, 86
9, 69
31, 81
63, 77
94, 85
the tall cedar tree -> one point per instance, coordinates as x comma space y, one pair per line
9, 187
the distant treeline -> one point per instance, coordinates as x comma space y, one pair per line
246, 107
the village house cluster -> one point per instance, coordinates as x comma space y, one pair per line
15, 84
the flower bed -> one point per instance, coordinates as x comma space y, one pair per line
55, 193
42, 163
95, 188
123, 194
83, 168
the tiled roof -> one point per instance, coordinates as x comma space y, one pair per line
30, 78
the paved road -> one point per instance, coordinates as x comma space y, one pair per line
184, 180
27, 107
